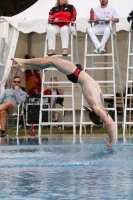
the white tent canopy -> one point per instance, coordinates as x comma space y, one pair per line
34, 19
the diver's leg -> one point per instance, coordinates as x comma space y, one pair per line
64, 66
31, 64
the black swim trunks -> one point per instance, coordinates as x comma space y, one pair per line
74, 76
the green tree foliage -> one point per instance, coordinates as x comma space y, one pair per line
13, 7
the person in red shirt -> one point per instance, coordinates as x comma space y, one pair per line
59, 19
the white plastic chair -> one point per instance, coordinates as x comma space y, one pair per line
17, 112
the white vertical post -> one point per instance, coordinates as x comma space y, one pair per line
72, 89
127, 78
18, 119
95, 67
82, 99
41, 103
12, 49
114, 84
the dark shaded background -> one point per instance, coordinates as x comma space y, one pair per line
13, 7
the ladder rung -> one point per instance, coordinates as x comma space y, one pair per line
30, 124
60, 55
95, 68
129, 109
130, 81
89, 55
87, 123
108, 95
57, 109
104, 63
129, 95
130, 67
57, 123
59, 82
110, 108
57, 95
106, 81
128, 122
62, 86
106, 108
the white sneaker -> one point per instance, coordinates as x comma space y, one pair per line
59, 127
96, 51
101, 50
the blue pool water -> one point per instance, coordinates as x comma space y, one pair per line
66, 169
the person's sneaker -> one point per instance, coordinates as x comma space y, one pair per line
3, 133
55, 126
101, 50
96, 51
59, 127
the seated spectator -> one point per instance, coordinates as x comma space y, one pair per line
130, 18
8, 100
60, 16
57, 102
106, 13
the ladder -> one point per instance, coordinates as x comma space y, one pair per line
129, 83
62, 84
107, 85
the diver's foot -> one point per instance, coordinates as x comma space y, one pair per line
18, 61
17, 66
109, 144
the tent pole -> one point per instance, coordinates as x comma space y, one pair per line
12, 49
29, 44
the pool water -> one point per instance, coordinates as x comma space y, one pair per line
66, 169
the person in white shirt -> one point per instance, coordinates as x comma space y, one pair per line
106, 13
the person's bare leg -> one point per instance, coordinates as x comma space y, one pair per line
6, 106
56, 116
3, 119
33, 64
64, 66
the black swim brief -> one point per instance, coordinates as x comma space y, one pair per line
74, 76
